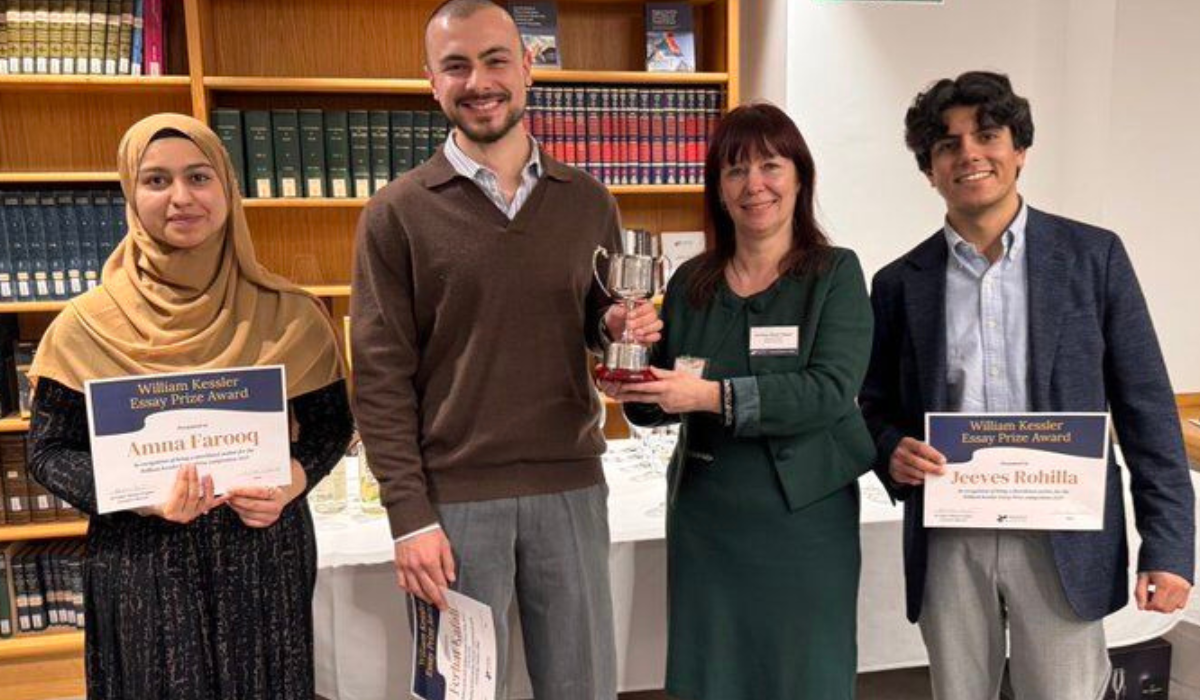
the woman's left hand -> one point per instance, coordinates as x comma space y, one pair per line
673, 391
261, 506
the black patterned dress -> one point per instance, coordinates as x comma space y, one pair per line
205, 611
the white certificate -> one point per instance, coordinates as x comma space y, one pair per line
454, 651
1028, 471
231, 424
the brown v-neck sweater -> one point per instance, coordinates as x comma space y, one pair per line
469, 336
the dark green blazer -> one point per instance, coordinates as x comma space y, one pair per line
803, 404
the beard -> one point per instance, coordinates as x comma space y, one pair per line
487, 133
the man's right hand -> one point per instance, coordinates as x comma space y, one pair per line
425, 566
912, 460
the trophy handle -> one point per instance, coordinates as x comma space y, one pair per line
600, 250
663, 267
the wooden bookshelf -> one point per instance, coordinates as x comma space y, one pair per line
42, 531
1189, 410
354, 54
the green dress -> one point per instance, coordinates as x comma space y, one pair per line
762, 522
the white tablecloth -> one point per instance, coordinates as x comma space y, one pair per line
363, 649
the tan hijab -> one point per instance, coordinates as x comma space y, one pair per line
162, 309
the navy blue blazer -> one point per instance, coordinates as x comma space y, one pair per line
1092, 347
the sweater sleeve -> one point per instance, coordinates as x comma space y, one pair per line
60, 456
383, 331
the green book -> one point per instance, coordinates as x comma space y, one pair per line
260, 153
312, 152
402, 142
439, 131
6, 611
227, 123
337, 153
381, 149
285, 124
421, 149
360, 152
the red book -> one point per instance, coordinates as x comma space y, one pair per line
658, 137
644, 151
581, 127
608, 138
155, 39
671, 138
595, 155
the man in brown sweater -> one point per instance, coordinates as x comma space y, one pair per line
473, 305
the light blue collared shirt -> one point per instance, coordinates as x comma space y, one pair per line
987, 324
489, 181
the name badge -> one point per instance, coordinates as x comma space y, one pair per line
774, 340
691, 365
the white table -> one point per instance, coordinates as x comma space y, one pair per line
363, 650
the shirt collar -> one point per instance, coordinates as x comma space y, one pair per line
470, 168
1013, 237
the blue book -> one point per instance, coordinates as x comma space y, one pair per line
102, 222
117, 223
72, 255
138, 41
52, 240
7, 290
85, 232
538, 24
35, 246
19, 259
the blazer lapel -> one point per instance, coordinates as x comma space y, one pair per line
925, 309
1047, 268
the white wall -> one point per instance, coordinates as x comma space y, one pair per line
1111, 83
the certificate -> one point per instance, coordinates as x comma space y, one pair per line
454, 651
1027, 471
231, 424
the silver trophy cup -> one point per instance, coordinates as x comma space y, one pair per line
633, 275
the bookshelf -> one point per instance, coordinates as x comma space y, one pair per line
62, 132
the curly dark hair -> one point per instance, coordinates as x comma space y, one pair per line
757, 130
992, 93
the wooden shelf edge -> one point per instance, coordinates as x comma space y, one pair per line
13, 423
354, 203
94, 82
42, 531
401, 86
58, 176
628, 77
40, 645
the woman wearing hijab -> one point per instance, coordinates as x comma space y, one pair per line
202, 597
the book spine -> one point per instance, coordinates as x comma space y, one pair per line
112, 36
41, 36
125, 37
658, 135
421, 129
52, 232
312, 152
138, 39
11, 54
54, 42
6, 606
77, 583
85, 230
15, 221
155, 50
35, 246
360, 151
117, 221
402, 141
337, 153
591, 110
285, 125
379, 135
97, 23
4, 41
227, 123
536, 113
671, 137
260, 153
7, 289
16, 564
439, 131
67, 20
609, 136
16, 484
83, 34
37, 589
3, 511
579, 108
68, 235
26, 27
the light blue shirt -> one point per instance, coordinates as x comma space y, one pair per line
489, 181
987, 324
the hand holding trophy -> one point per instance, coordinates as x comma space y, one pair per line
634, 275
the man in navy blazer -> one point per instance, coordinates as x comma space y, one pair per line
1008, 309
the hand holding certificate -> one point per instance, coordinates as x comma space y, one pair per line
1029, 471
454, 650
225, 429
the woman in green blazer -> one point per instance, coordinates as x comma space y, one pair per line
766, 342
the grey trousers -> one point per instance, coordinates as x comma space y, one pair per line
551, 551
981, 581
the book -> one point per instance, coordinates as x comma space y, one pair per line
112, 36
312, 152
27, 28
89, 250
680, 246
359, 128
23, 352
10, 53
260, 152
3, 37
6, 607
41, 36
421, 145
670, 43
97, 24
227, 123
379, 124
69, 235
67, 17
439, 131
116, 223
16, 481
402, 142
7, 288
52, 235
54, 45
154, 41
19, 260
137, 40
83, 33
35, 245
124, 37
337, 153
537, 23
285, 125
